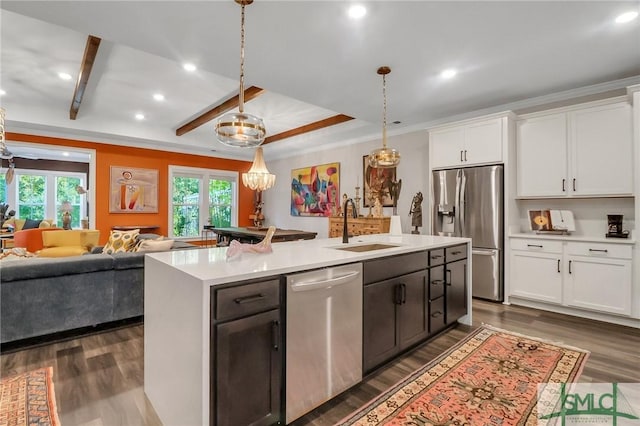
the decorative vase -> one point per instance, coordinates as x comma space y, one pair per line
395, 227
66, 220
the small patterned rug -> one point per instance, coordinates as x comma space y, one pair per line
488, 378
28, 399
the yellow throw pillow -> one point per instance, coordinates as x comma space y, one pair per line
121, 241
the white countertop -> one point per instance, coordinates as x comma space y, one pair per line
210, 264
582, 238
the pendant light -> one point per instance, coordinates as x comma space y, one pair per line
384, 157
241, 129
258, 177
5, 154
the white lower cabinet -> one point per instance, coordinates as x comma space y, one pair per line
593, 276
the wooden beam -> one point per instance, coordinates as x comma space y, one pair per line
231, 103
90, 52
331, 121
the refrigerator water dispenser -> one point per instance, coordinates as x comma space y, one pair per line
446, 218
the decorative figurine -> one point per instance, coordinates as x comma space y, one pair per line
416, 212
377, 208
236, 247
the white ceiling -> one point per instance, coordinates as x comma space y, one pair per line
311, 58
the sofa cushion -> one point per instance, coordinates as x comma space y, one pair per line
154, 245
62, 251
121, 241
54, 267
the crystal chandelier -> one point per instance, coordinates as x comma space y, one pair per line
258, 177
384, 157
241, 129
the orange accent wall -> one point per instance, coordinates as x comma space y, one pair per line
108, 155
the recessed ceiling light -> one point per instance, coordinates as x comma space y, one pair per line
626, 17
448, 73
189, 67
158, 97
139, 116
65, 154
2, 92
357, 11
64, 76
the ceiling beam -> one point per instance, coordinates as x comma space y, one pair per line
90, 52
331, 121
231, 103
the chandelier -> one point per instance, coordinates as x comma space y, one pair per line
258, 177
5, 154
241, 129
384, 157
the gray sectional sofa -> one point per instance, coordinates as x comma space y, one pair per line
43, 296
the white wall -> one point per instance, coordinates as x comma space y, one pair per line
413, 170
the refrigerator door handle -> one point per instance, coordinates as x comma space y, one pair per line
457, 222
461, 214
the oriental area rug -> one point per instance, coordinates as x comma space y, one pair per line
488, 378
28, 399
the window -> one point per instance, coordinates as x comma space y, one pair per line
201, 197
46, 194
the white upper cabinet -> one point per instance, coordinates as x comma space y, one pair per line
467, 143
601, 143
583, 152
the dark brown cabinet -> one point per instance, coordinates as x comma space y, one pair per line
456, 283
395, 308
247, 355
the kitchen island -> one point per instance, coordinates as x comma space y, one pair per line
206, 317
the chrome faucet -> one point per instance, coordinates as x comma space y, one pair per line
345, 232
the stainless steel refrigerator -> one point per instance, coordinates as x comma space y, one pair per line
469, 202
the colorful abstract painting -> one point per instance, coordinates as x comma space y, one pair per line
315, 190
133, 190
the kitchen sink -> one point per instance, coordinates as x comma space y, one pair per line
366, 247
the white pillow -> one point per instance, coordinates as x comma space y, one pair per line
154, 245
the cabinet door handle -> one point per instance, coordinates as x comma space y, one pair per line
448, 281
436, 256
461, 160
534, 245
574, 184
275, 335
404, 293
457, 252
248, 299
570, 266
398, 294
465, 155
437, 282
558, 265
436, 314
600, 250
563, 182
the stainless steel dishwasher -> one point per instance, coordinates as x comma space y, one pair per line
324, 336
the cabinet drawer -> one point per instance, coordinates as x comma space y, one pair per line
456, 253
247, 299
617, 251
394, 266
546, 246
436, 315
436, 257
436, 282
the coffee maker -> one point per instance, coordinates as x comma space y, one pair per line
614, 227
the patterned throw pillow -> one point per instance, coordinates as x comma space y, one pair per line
121, 241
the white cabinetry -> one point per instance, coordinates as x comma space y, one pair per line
592, 276
579, 152
535, 270
468, 143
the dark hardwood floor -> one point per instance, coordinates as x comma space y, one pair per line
99, 378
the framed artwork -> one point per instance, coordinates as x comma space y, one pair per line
315, 190
380, 178
133, 190
540, 220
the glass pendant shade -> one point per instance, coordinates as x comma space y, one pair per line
383, 158
241, 130
5, 154
258, 177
